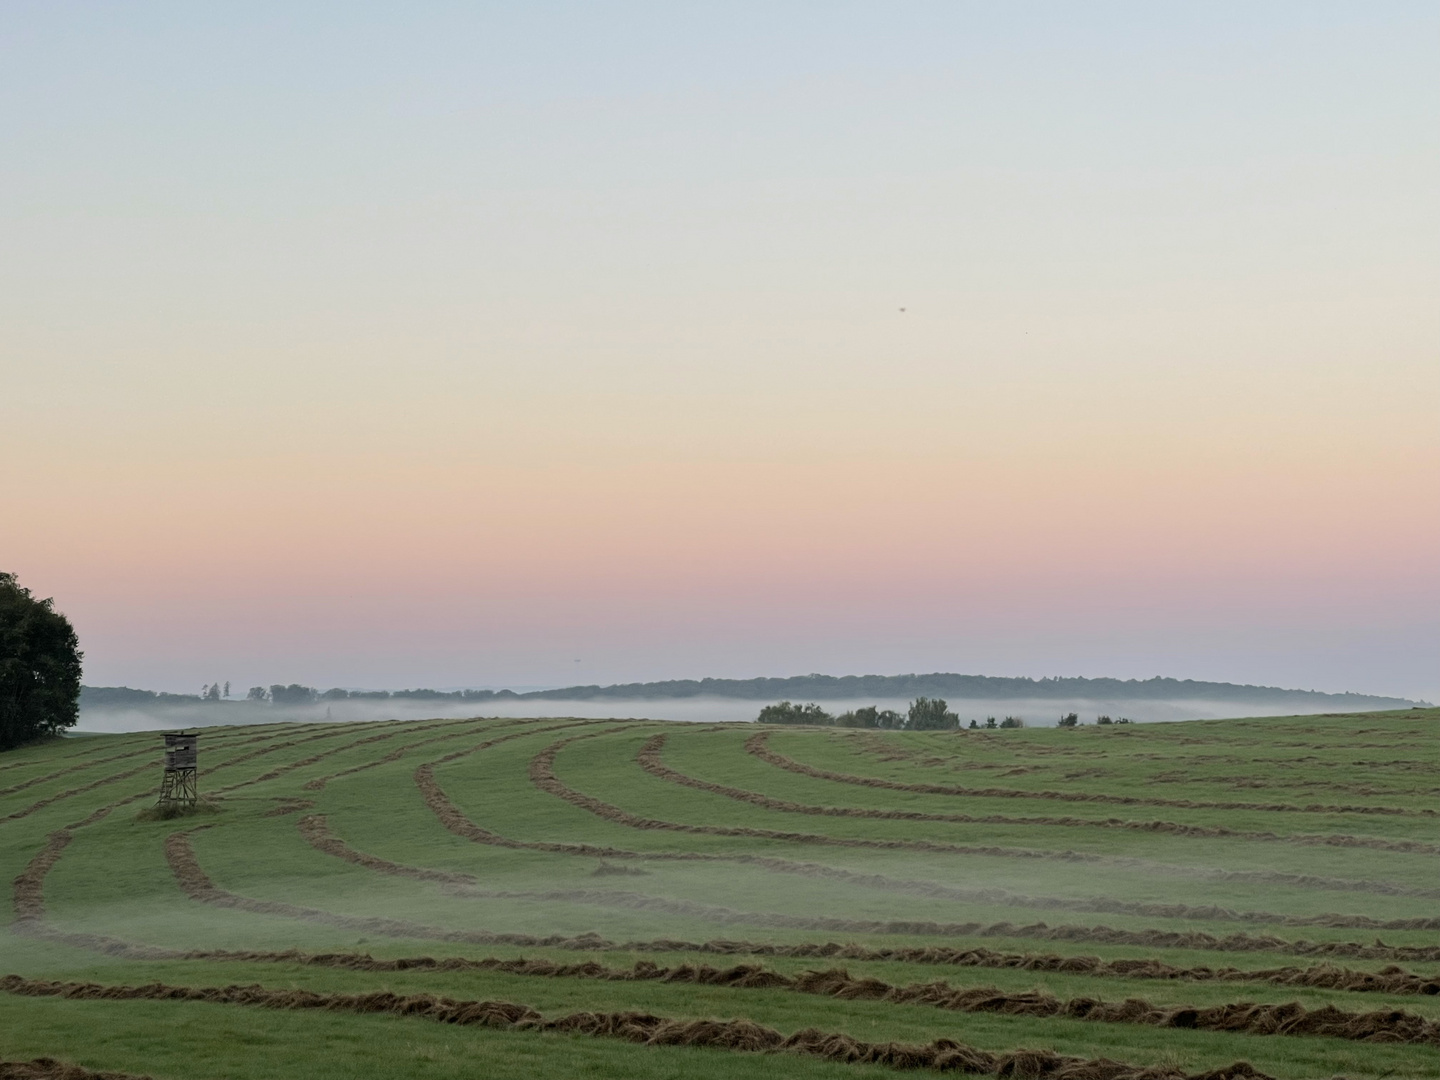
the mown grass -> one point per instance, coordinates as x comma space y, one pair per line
113, 879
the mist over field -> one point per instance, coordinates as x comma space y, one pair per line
1035, 712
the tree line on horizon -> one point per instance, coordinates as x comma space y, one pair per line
924, 714
289, 695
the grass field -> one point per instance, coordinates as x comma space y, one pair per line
580, 898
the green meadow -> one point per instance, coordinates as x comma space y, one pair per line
1261, 891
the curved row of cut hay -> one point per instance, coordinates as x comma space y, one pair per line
757, 746
29, 909
382, 736
319, 783
270, 748
50, 1069
454, 820
1393, 979
650, 759
645, 1029
70, 793
93, 745
315, 829
1280, 1019
197, 885
114, 778
884, 747
35, 781
542, 774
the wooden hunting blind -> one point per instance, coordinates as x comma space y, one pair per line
178, 787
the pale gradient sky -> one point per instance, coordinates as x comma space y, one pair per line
454, 344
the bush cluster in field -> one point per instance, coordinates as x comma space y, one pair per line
924, 714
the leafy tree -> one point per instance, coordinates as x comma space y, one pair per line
39, 667
212, 693
974, 724
294, 694
786, 713
1070, 720
1012, 722
870, 716
1103, 720
990, 722
257, 693
930, 714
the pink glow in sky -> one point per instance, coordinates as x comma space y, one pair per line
540, 347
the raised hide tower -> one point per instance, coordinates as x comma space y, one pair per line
178, 787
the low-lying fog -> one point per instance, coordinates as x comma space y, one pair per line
1035, 713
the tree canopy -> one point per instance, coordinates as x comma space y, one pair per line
931, 714
785, 712
39, 667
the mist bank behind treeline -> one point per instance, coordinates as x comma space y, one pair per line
1038, 702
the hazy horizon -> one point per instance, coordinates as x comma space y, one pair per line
700, 710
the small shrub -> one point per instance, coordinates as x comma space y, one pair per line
1103, 720
1070, 720
1010, 722
990, 722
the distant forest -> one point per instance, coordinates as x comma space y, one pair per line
799, 687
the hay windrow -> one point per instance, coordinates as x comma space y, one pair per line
451, 817
29, 910
30, 883
741, 964
319, 782
1291, 1018
36, 780
49, 1069
50, 800
315, 830
408, 728
650, 759
126, 775
193, 881
542, 774
289, 804
757, 745
645, 1029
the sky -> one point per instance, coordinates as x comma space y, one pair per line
534, 344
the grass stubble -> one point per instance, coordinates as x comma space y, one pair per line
128, 941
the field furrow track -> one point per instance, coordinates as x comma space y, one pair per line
650, 759
51, 1069
646, 1029
641, 880
542, 774
316, 832
385, 736
757, 745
